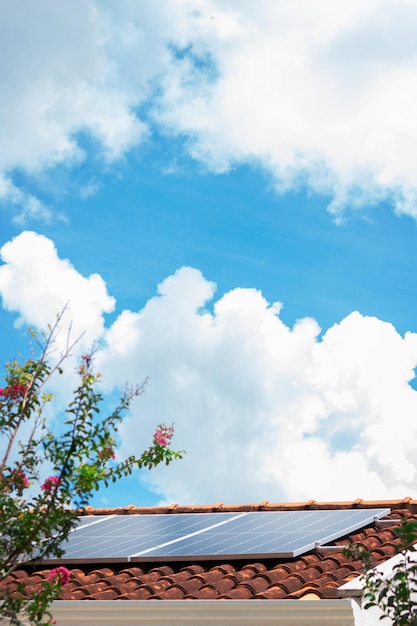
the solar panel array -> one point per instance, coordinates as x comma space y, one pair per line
168, 537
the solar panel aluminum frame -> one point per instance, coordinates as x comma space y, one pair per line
221, 528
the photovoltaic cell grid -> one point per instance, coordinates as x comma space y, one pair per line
120, 537
165, 537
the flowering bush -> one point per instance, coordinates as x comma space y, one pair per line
59, 575
48, 476
395, 595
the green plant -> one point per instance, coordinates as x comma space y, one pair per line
47, 476
395, 595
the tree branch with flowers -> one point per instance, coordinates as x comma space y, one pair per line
48, 475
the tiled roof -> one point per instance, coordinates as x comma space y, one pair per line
317, 574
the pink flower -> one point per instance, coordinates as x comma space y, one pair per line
49, 483
87, 359
107, 453
60, 575
13, 392
20, 479
163, 435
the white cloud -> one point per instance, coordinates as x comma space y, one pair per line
37, 284
315, 93
24, 205
264, 411
56, 82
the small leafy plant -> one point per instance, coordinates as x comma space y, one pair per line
48, 476
396, 595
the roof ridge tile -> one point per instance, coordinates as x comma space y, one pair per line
407, 503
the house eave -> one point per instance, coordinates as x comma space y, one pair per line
222, 612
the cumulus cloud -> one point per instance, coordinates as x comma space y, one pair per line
27, 205
317, 94
38, 285
58, 82
264, 411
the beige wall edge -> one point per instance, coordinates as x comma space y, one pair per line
221, 612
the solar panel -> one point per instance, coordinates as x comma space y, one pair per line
165, 537
283, 534
120, 536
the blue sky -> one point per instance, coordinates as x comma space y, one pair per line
173, 171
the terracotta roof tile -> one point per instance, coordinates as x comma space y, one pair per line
73, 594
329, 563
309, 593
311, 559
133, 572
109, 593
193, 569
257, 585
311, 573
276, 574
141, 593
207, 592
317, 574
241, 592
193, 585
276, 592
175, 592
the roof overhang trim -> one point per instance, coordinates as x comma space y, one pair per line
204, 612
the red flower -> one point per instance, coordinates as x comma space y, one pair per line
60, 575
49, 483
13, 392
